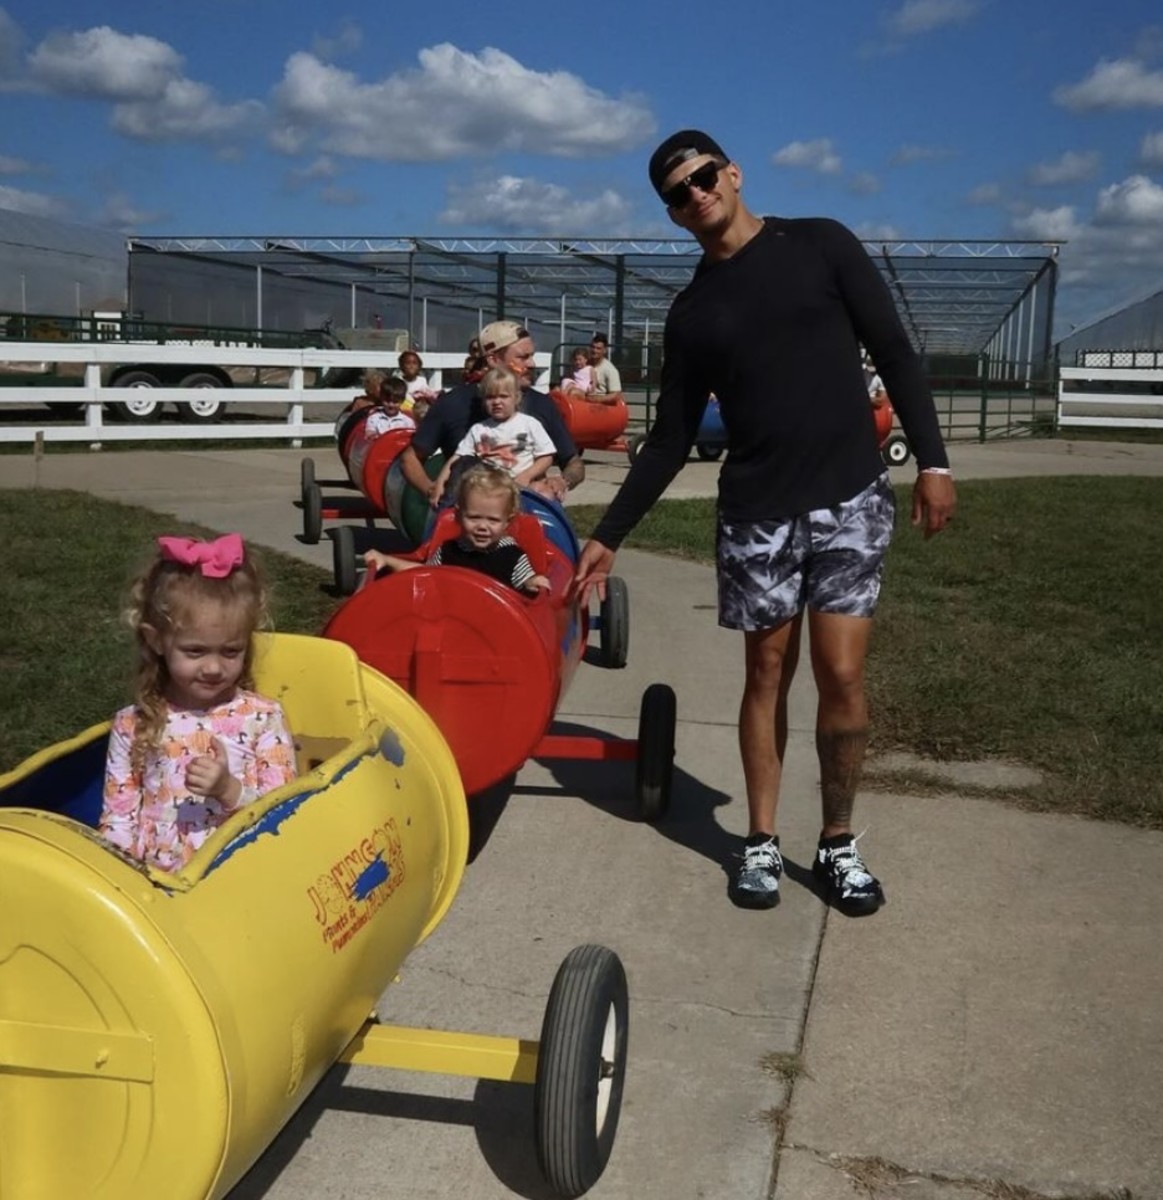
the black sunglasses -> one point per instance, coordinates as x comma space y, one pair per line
678, 195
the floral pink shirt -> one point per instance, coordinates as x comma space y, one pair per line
152, 815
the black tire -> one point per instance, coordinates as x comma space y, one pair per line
137, 409
343, 559
312, 514
634, 445
708, 452
615, 623
306, 473
581, 1069
202, 410
896, 450
655, 767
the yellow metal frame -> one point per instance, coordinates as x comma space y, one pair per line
474, 1055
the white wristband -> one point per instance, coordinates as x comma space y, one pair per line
935, 471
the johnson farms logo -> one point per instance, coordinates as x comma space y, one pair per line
358, 885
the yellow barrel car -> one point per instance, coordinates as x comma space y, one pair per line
157, 1030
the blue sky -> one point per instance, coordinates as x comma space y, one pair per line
920, 119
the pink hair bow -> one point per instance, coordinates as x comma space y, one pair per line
216, 559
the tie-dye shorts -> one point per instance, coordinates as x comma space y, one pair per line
830, 560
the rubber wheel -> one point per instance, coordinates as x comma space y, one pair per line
655, 767
207, 409
896, 450
144, 408
343, 559
615, 623
581, 1069
634, 445
707, 452
312, 514
306, 473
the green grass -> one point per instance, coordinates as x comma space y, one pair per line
1031, 631
66, 656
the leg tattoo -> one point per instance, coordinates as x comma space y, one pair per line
841, 754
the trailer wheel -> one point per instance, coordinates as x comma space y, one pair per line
615, 623
140, 407
634, 445
343, 559
306, 473
581, 1068
312, 514
708, 452
896, 450
207, 409
655, 767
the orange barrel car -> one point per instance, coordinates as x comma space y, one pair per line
594, 424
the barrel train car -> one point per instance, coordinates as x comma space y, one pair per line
465, 645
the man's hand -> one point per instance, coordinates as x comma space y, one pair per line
593, 569
209, 775
934, 502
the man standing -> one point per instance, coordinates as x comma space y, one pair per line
772, 324
607, 381
506, 344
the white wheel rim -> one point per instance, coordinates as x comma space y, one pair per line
141, 407
607, 1068
207, 407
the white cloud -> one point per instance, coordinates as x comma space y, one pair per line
185, 110
14, 166
1048, 224
904, 155
120, 212
36, 204
816, 155
509, 204
984, 193
1072, 167
1118, 83
347, 41
1135, 201
1151, 151
1115, 252
923, 16
454, 104
864, 183
104, 63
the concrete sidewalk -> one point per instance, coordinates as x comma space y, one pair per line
998, 1021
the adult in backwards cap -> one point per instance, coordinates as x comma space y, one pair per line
507, 344
772, 323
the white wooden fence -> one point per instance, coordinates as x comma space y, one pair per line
286, 403
1111, 397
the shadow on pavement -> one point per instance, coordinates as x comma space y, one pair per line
500, 1114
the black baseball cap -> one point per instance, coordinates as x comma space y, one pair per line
687, 143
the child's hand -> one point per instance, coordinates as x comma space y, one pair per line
435, 493
209, 775
536, 585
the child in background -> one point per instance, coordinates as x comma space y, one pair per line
511, 440
486, 501
197, 744
359, 408
417, 388
387, 416
581, 382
